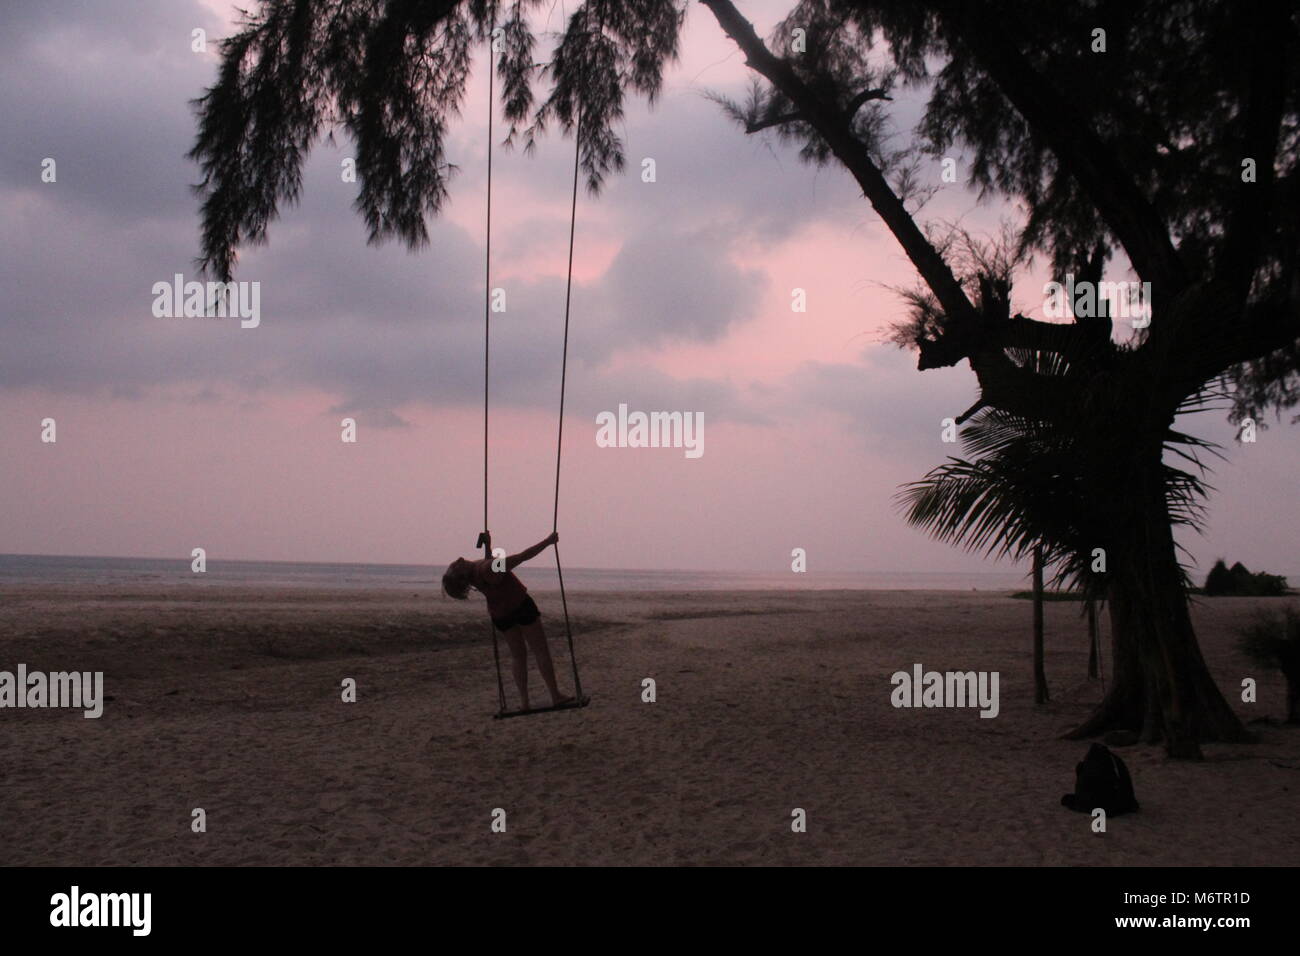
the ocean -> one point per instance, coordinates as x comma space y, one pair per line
81, 571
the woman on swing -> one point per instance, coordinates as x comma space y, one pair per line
513, 612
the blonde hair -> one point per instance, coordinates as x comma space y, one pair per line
455, 584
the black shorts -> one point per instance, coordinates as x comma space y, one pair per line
525, 613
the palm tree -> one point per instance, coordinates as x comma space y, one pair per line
1020, 495
1041, 695
1014, 499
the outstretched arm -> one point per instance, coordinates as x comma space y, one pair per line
514, 560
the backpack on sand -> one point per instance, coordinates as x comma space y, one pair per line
1101, 780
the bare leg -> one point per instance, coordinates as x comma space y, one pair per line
536, 638
518, 662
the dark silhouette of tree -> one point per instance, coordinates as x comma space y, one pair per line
1241, 581
1094, 639
1174, 152
1273, 641
1020, 496
1041, 694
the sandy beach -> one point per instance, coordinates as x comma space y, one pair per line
229, 699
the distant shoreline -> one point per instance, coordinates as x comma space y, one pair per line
391, 564
77, 569
111, 572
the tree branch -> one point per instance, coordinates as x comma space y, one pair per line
754, 127
1265, 107
1097, 169
865, 96
966, 334
855, 104
1228, 333
965, 416
831, 124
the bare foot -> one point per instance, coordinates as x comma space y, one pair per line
560, 701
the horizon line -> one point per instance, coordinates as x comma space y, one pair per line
406, 564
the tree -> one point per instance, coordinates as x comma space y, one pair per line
1094, 640
1019, 497
1174, 150
1007, 502
1041, 694
1240, 580
1274, 641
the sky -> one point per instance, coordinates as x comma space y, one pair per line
176, 433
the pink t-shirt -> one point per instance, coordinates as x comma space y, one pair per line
504, 591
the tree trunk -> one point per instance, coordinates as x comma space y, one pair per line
1162, 688
1041, 695
1124, 706
1094, 640
1293, 698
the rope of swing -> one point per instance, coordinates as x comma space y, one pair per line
564, 374
484, 539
